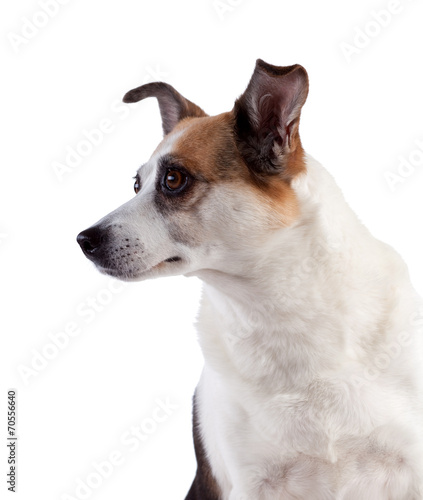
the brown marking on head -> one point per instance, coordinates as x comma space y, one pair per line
207, 148
282, 202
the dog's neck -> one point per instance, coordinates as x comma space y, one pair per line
282, 318
298, 303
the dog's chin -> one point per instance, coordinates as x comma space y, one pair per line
118, 274
168, 267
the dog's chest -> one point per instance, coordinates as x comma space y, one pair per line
278, 416
265, 450
283, 446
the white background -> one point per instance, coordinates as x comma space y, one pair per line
363, 113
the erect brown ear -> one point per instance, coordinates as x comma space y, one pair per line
173, 106
267, 117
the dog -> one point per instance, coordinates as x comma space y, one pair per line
310, 328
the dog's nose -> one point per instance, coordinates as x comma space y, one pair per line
91, 240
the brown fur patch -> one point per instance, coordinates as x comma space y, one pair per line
283, 202
207, 148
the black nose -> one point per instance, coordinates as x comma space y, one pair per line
91, 240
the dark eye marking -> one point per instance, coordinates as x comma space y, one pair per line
173, 178
178, 187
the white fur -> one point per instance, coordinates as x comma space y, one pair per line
312, 386
311, 334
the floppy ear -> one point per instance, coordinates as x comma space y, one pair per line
267, 117
173, 106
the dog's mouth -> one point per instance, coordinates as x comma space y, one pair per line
170, 260
134, 274
173, 259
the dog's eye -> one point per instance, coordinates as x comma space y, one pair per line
137, 184
175, 180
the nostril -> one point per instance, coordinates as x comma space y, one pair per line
91, 240
87, 247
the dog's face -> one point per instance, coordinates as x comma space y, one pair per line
215, 187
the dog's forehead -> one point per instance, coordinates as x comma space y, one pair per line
148, 171
204, 146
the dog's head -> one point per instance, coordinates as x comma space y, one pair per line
215, 187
